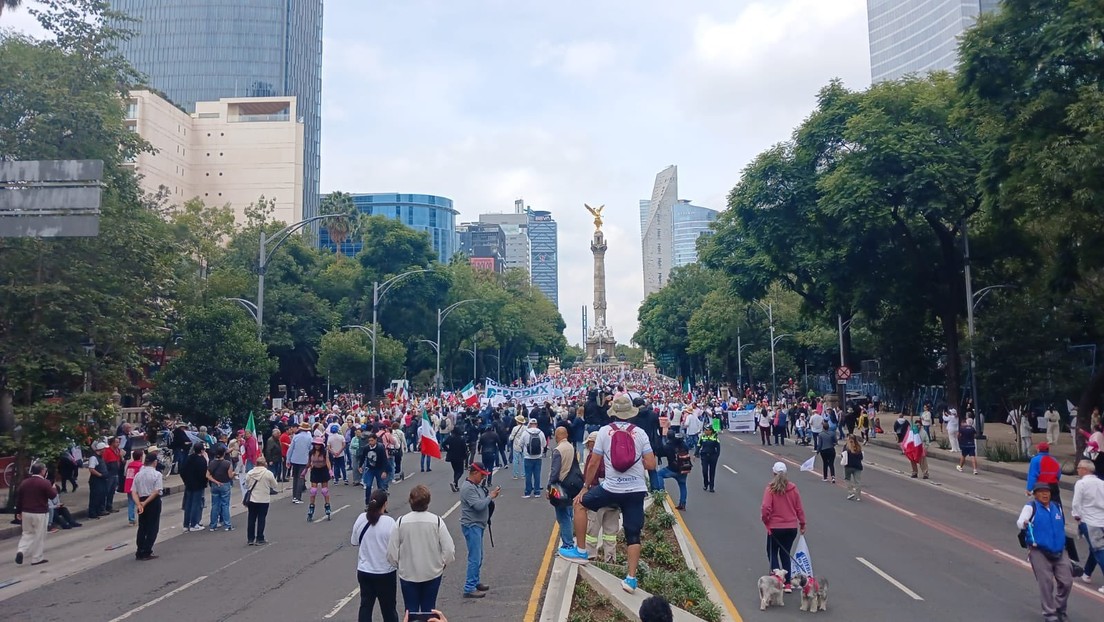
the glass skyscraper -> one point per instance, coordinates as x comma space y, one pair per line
424, 212
918, 36
545, 271
689, 223
202, 50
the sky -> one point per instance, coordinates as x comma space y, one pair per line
571, 102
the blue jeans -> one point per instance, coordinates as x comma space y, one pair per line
655, 480
339, 469
516, 459
193, 507
1096, 557
473, 536
691, 442
664, 473
490, 461
425, 463
220, 504
131, 509
370, 478
420, 596
532, 476
564, 517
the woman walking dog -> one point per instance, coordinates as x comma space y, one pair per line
784, 517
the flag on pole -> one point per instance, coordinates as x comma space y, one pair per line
809, 465
913, 446
251, 425
401, 395
468, 394
804, 563
428, 438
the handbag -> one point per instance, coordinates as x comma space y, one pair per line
249, 493
843, 457
570, 485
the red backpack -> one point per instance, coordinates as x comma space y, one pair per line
622, 453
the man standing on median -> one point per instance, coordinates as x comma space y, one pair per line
626, 454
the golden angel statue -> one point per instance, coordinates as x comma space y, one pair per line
597, 213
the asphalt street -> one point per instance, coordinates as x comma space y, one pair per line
308, 572
942, 549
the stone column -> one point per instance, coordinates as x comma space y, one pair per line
598, 248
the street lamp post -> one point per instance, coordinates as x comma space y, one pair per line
774, 377
371, 336
247, 304
441, 315
769, 308
973, 300
475, 369
379, 290
263, 258
841, 387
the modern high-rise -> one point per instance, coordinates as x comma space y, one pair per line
206, 50
422, 212
544, 258
669, 230
918, 36
656, 234
228, 152
518, 247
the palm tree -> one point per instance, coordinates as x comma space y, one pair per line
9, 4
339, 228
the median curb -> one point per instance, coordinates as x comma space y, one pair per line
697, 563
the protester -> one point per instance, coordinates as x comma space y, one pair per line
565, 463
517, 451
297, 454
132, 468
827, 444
181, 444
476, 505
321, 472
62, 518
533, 443
375, 467
1044, 526
625, 460
113, 462
372, 533
274, 455
420, 548
220, 474
32, 507
951, 421
250, 449
1088, 511
193, 473
354, 451
1045, 469
487, 447
967, 443
97, 480
784, 517
146, 492
456, 454
679, 465
853, 468
259, 485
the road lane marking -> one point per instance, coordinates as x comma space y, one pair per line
730, 469
726, 601
341, 603
322, 518
1013, 558
159, 599
894, 582
451, 510
542, 573
892, 506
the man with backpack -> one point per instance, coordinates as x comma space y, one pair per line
1043, 533
533, 442
626, 454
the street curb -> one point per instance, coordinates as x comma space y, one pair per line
15, 531
991, 467
701, 568
609, 586
560, 592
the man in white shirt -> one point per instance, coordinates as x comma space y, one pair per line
145, 490
1053, 420
950, 420
1088, 511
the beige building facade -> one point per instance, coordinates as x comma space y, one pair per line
230, 151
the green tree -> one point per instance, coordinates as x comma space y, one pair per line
10, 4
222, 371
341, 204
345, 357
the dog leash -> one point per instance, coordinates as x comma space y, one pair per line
779, 544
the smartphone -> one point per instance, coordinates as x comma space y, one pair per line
420, 616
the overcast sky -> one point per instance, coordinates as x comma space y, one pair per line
571, 102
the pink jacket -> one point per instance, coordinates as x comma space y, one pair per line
783, 511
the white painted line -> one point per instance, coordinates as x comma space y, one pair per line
159, 599
892, 581
1012, 558
322, 518
451, 510
730, 469
341, 603
892, 506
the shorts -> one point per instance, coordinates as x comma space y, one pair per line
631, 505
969, 451
319, 475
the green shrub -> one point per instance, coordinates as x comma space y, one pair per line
1004, 452
943, 443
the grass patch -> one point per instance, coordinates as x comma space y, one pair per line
944, 443
1004, 452
590, 606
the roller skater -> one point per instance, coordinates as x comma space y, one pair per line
321, 472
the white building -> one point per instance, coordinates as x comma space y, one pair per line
918, 36
656, 235
228, 152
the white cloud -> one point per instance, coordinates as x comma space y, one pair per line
578, 59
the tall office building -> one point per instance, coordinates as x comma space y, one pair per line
656, 235
544, 248
205, 50
484, 243
423, 212
918, 36
519, 250
669, 230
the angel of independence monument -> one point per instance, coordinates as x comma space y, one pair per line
600, 342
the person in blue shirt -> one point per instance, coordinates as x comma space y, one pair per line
1044, 524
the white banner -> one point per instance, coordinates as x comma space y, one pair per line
802, 561
741, 421
496, 393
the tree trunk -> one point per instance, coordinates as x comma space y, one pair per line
949, 320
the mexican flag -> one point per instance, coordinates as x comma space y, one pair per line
428, 444
913, 446
251, 425
687, 392
468, 394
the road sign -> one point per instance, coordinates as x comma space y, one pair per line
843, 374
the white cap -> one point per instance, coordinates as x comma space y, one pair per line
99, 446
779, 467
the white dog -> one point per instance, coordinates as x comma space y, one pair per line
814, 592
770, 589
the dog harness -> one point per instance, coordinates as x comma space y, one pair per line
811, 586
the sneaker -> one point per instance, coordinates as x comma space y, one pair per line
573, 554
260, 542
925, 476
525, 496
975, 472
19, 558
474, 594
788, 589
186, 529
959, 468
913, 476
825, 480
229, 528
1101, 590
1086, 578
483, 588
250, 543
296, 501
54, 529
833, 480
629, 584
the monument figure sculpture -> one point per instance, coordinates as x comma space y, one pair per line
597, 213
600, 341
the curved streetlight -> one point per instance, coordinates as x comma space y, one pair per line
975, 300
441, 315
247, 304
475, 366
263, 258
379, 290
769, 309
774, 378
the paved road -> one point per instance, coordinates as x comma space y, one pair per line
941, 549
307, 572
